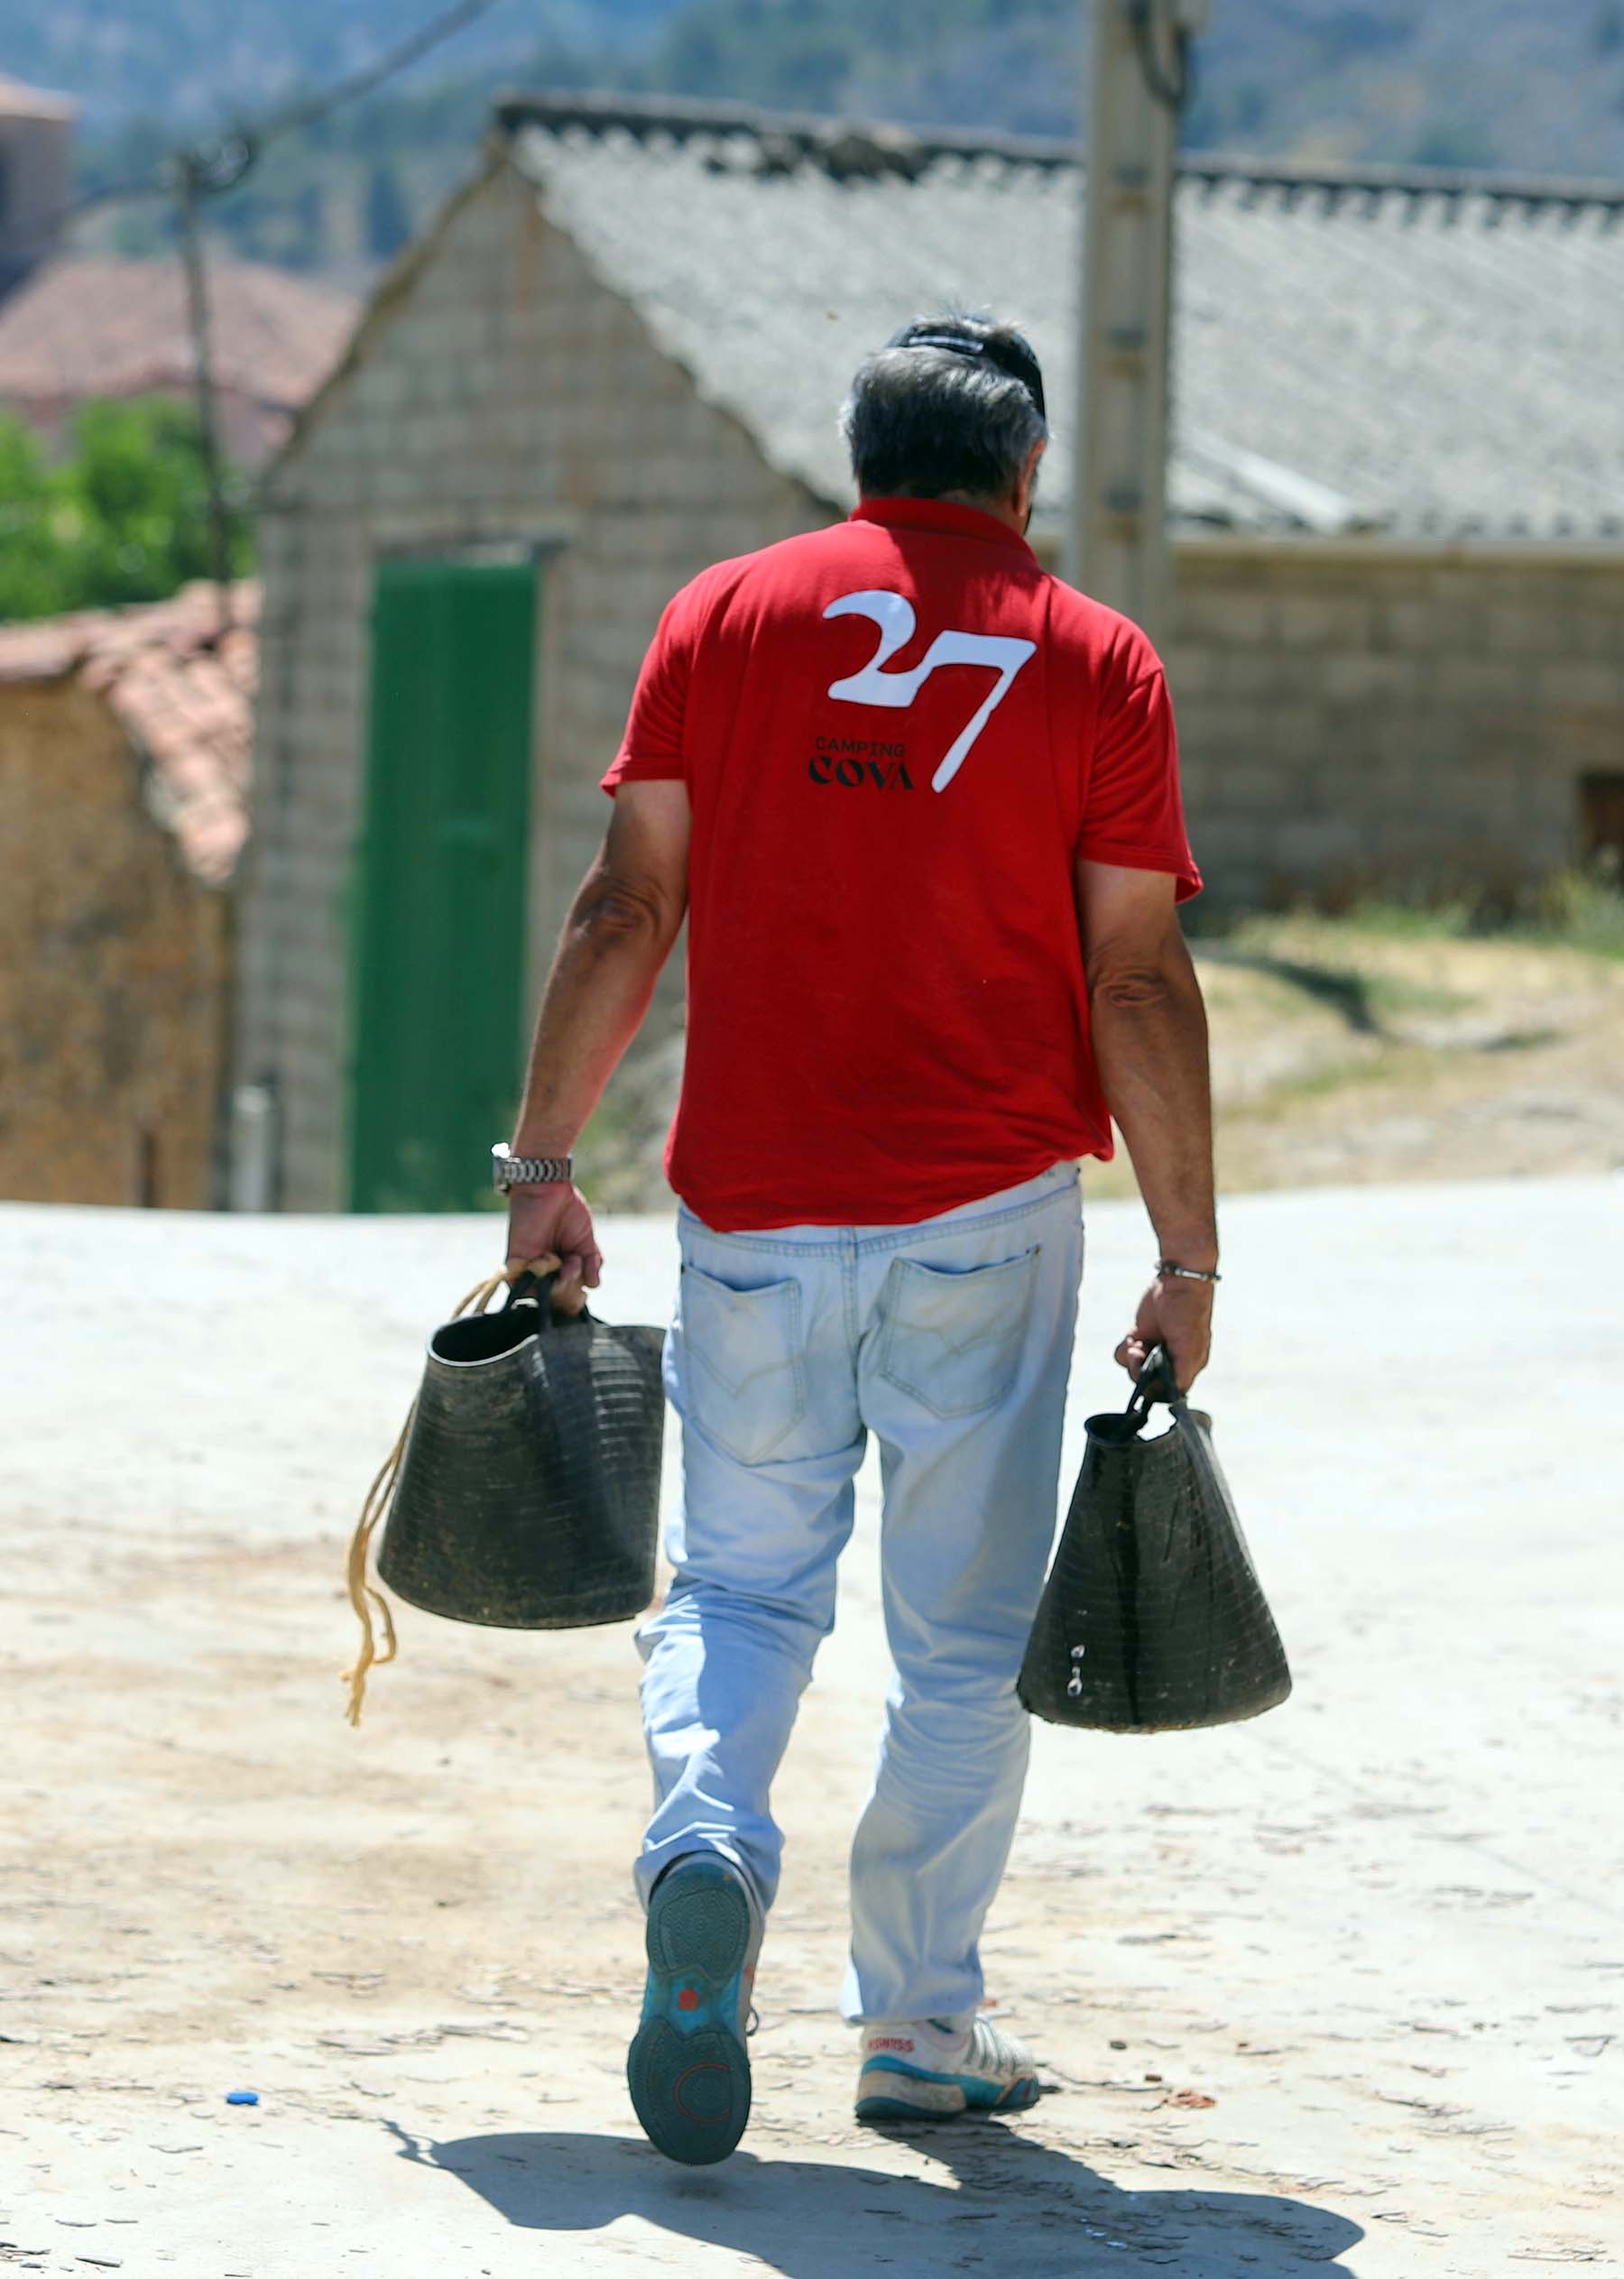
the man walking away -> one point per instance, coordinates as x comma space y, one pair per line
919, 801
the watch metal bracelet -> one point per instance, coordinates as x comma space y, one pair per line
1187, 1273
509, 1170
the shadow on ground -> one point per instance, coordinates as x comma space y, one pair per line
1345, 993
1005, 2201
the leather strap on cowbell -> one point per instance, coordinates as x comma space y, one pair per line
363, 1595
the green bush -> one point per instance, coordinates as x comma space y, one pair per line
1583, 910
122, 516
1578, 909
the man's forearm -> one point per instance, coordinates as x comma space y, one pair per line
610, 954
1150, 1046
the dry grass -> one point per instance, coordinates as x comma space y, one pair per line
1350, 1050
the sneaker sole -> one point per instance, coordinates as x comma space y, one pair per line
888, 2093
687, 2069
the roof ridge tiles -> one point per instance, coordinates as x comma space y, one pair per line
845, 146
810, 134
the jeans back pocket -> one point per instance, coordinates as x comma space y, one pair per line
743, 1371
954, 1339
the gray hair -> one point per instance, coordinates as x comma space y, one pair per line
928, 421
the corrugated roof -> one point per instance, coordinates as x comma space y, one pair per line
1434, 355
182, 695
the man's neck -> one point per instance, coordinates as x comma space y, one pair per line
1001, 510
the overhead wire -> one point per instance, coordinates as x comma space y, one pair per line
374, 75
210, 168
230, 155
1171, 89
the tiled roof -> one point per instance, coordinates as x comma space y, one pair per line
92, 327
1430, 354
182, 695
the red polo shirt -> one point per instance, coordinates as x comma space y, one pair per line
898, 735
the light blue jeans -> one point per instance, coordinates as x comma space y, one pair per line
952, 1341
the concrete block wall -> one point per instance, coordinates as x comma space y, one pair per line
498, 393
1353, 719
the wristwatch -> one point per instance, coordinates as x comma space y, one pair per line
509, 1170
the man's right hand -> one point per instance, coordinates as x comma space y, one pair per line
1179, 1315
555, 1218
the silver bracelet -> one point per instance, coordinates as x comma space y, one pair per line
1187, 1273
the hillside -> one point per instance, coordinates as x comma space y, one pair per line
1528, 85
1534, 84
190, 60
1520, 83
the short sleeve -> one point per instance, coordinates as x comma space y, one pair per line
1133, 809
652, 750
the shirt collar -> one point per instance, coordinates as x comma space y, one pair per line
944, 516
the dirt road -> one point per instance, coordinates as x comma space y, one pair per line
1345, 1987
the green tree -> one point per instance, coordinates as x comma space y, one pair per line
1459, 144
123, 517
31, 566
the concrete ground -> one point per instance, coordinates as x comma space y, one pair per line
1344, 1987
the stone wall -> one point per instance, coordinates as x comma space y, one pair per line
497, 394
1355, 719
112, 970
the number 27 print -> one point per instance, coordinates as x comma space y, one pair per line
894, 617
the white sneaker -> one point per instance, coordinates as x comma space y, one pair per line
913, 2067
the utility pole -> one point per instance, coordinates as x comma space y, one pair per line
1140, 77
194, 175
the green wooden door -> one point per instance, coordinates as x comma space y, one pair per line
438, 942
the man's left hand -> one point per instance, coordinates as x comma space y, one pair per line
1178, 1315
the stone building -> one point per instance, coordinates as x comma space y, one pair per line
124, 754
1398, 492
